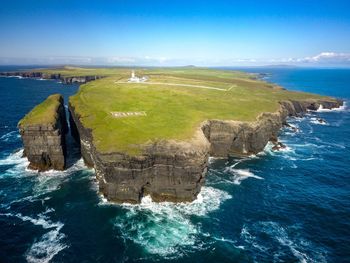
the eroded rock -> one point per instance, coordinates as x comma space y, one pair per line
175, 171
44, 140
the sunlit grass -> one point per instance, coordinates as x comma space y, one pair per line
172, 112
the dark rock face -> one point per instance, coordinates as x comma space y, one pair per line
168, 171
242, 138
65, 80
175, 171
44, 144
81, 79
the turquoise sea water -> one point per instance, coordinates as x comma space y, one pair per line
289, 206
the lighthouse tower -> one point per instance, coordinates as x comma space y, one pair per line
137, 79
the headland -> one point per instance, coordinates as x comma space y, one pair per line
154, 137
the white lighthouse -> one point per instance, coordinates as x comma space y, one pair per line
134, 78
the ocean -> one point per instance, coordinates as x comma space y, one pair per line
287, 206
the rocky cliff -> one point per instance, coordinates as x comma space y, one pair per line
43, 134
173, 170
168, 171
43, 75
245, 138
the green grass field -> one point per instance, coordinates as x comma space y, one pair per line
44, 113
175, 102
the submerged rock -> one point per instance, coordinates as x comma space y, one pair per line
321, 121
278, 146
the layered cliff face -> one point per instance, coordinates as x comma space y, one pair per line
79, 79
175, 171
56, 76
43, 134
154, 138
244, 138
167, 171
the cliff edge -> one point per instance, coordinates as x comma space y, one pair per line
171, 170
153, 134
43, 134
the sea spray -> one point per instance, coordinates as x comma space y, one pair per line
166, 228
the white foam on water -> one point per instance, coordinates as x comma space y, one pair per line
329, 144
308, 145
254, 156
166, 228
211, 160
241, 174
291, 158
226, 240
52, 242
286, 149
43, 182
292, 128
268, 149
301, 249
251, 239
10, 136
341, 108
16, 77
51, 180
294, 166
242, 160
49, 244
316, 121
14, 159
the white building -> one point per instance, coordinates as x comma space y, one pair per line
134, 78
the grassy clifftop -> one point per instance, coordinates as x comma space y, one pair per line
170, 105
44, 113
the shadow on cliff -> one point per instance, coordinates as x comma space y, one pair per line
73, 147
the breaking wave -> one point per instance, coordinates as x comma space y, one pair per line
317, 121
15, 159
287, 150
50, 243
341, 108
10, 136
241, 174
39, 183
34, 187
166, 229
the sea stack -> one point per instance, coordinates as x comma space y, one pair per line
43, 134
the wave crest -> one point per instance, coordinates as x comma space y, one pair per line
166, 228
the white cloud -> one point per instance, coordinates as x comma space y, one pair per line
114, 60
327, 57
321, 59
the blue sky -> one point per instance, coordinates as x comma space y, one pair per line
210, 33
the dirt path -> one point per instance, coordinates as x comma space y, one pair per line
175, 84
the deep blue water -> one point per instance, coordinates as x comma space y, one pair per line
290, 206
